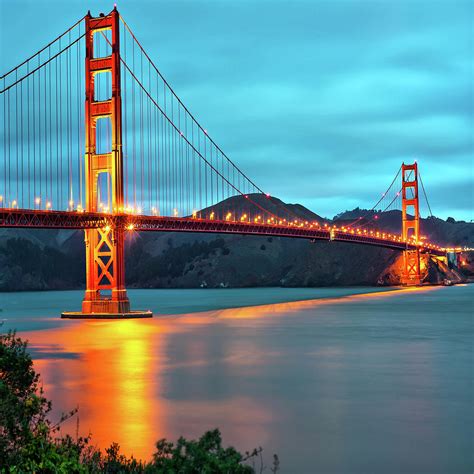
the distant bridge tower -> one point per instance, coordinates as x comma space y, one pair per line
411, 223
105, 268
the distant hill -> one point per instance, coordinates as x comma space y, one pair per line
449, 232
54, 259
240, 205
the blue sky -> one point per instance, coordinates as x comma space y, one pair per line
319, 101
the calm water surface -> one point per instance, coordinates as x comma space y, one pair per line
356, 383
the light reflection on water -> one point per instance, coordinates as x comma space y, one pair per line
336, 385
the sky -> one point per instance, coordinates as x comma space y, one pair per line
318, 101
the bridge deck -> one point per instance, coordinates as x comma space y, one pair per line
84, 220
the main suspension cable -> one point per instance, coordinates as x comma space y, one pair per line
230, 162
43, 49
378, 202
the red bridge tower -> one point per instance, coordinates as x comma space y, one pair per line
410, 223
106, 296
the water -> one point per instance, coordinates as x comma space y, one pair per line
367, 382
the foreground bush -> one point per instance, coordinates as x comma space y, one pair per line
29, 441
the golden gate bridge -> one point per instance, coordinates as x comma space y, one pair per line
131, 157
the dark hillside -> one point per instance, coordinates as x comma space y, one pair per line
51, 259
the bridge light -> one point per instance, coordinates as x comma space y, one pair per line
194, 214
175, 212
71, 204
130, 227
107, 228
48, 205
79, 208
212, 216
14, 203
228, 216
38, 201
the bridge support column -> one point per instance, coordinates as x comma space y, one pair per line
105, 270
412, 273
411, 224
106, 296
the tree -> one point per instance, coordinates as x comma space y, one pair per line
204, 455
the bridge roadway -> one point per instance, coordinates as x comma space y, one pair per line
24, 218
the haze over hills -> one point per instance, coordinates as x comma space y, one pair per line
54, 259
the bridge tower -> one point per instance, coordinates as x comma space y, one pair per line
105, 268
105, 294
410, 223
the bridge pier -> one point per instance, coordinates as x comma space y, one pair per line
412, 272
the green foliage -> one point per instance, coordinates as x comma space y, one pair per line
193, 456
28, 441
23, 408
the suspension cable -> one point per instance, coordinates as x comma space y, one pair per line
424, 192
190, 144
40, 66
197, 123
42, 49
388, 205
378, 202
